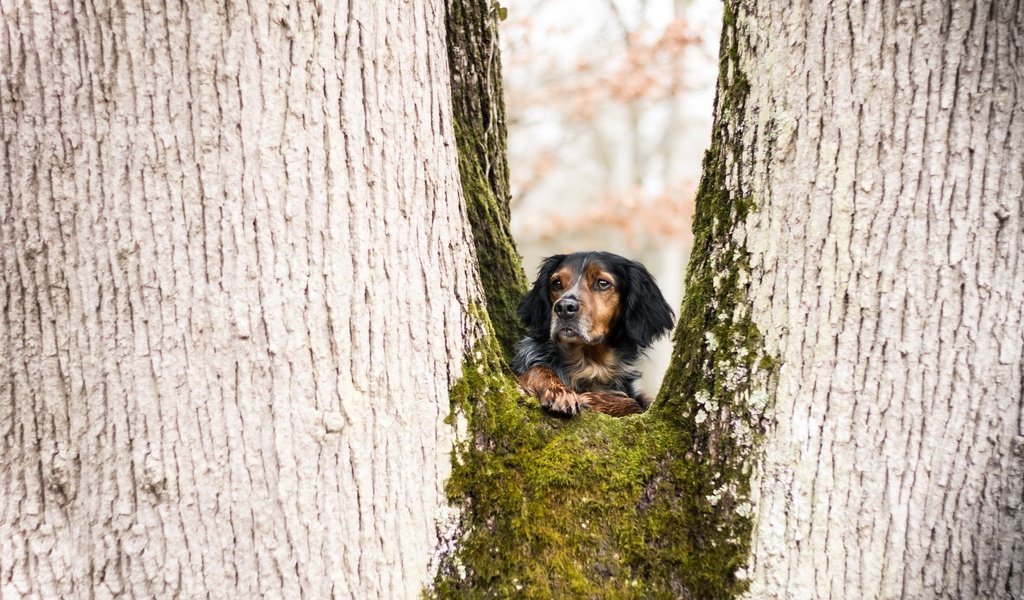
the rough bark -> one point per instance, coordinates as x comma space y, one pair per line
478, 105
869, 177
851, 336
888, 247
591, 507
236, 272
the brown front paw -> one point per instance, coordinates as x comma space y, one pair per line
615, 404
560, 400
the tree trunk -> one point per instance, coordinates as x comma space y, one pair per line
236, 279
851, 337
478, 103
880, 148
239, 282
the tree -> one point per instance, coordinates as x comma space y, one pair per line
842, 414
240, 282
884, 238
237, 279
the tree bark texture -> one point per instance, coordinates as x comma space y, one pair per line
236, 272
881, 146
478, 104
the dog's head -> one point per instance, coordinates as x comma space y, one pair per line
592, 298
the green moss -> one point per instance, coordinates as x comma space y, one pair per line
717, 381
500, 267
479, 118
588, 507
650, 506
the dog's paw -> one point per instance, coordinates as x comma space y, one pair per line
616, 404
562, 401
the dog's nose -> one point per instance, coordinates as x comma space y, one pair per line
567, 307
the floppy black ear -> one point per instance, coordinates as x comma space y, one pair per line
647, 316
535, 309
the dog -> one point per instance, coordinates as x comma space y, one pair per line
590, 316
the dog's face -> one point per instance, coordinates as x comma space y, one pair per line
592, 298
585, 300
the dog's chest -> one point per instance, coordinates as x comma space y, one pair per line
587, 373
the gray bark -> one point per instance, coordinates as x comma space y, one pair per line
235, 279
883, 150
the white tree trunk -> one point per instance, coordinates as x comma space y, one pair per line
885, 152
235, 280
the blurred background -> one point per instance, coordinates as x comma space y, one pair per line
609, 113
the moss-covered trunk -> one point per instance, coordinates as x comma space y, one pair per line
597, 507
479, 110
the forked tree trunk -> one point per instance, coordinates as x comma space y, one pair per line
882, 147
236, 271
237, 278
843, 414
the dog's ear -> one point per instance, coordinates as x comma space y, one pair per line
646, 316
535, 309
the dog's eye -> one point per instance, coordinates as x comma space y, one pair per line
556, 284
602, 284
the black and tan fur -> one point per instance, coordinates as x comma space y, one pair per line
590, 316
